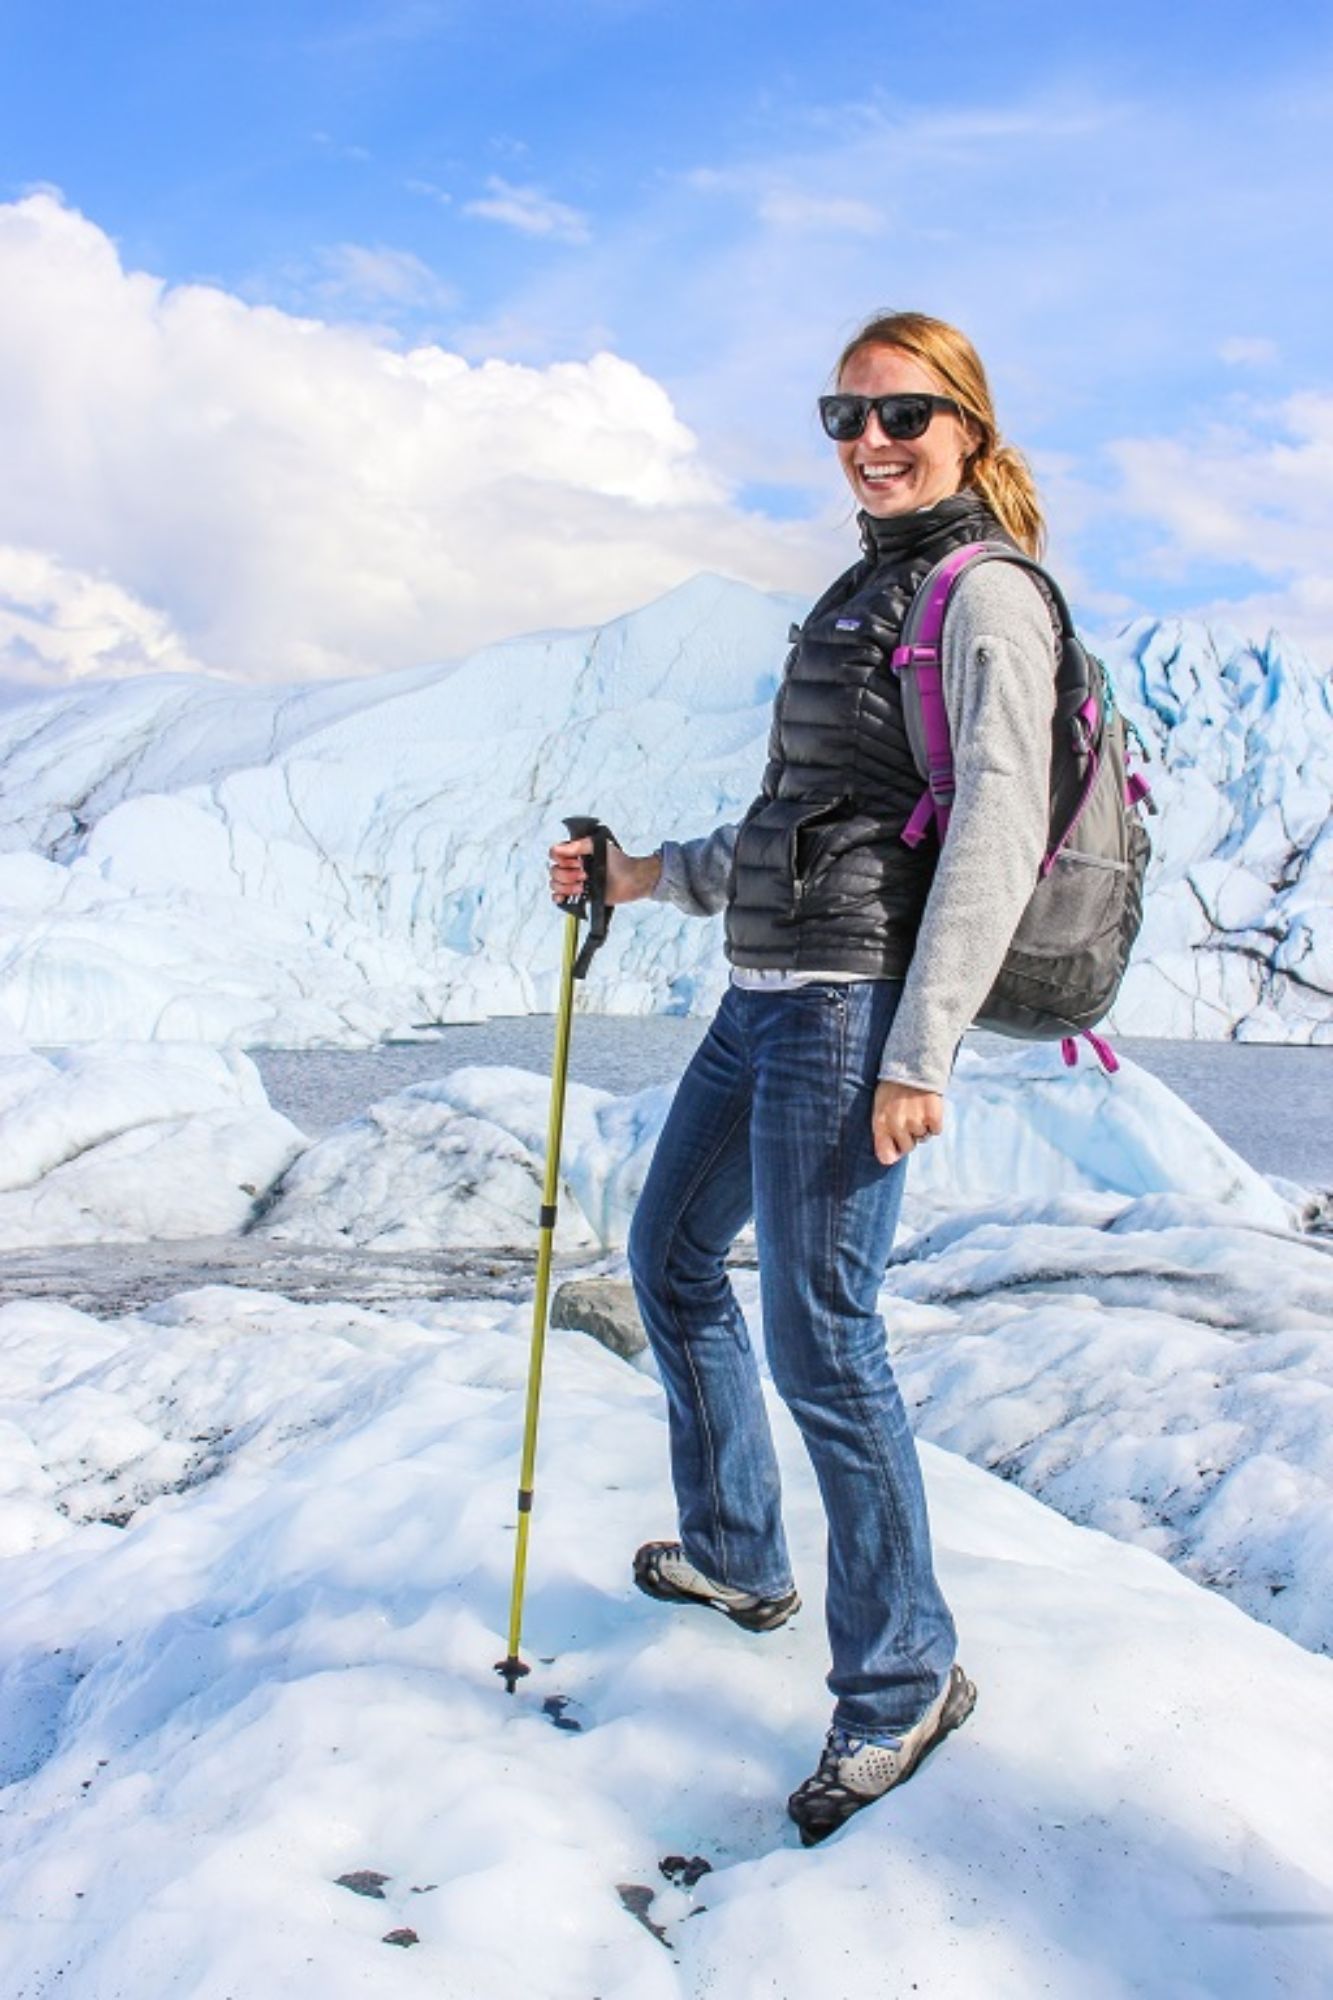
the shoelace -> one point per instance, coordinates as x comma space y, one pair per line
673, 1552
839, 1744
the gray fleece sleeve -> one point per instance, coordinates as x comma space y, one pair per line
999, 690
695, 872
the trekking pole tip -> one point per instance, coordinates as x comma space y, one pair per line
511, 1671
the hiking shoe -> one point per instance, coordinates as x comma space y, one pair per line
854, 1773
661, 1571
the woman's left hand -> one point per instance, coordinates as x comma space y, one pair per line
902, 1117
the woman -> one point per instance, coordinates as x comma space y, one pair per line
858, 962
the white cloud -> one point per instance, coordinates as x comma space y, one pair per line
340, 149
530, 211
1249, 351
297, 498
1301, 613
1262, 494
787, 208
769, 194
1259, 496
59, 624
363, 32
375, 274
505, 146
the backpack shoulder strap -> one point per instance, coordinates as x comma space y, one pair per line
918, 660
923, 626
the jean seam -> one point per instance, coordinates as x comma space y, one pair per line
850, 1378
700, 1400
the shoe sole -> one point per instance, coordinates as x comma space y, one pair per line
959, 1703
766, 1617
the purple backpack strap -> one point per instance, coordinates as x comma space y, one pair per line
1100, 1047
920, 650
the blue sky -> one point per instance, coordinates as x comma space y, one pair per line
1127, 206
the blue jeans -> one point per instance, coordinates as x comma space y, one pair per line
772, 1120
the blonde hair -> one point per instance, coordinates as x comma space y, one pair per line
999, 473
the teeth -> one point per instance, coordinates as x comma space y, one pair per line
873, 472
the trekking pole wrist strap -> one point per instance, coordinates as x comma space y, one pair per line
591, 899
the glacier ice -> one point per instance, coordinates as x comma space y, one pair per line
183, 859
458, 1161
124, 1144
134, 1141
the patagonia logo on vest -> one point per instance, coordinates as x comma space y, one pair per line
847, 625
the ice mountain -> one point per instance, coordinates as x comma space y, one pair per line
185, 859
1238, 932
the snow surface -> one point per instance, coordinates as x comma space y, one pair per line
186, 860
277, 1670
1156, 1368
115, 1143
1141, 1339
256, 1564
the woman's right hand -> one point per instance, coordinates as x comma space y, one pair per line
628, 876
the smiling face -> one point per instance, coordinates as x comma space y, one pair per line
889, 477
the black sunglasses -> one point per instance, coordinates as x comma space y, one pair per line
845, 417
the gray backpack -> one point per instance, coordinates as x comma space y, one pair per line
1069, 953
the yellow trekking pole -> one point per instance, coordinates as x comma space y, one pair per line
591, 901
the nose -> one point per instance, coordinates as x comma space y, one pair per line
875, 434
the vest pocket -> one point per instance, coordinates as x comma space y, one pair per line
815, 837
786, 839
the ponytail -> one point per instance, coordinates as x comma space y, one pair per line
1003, 478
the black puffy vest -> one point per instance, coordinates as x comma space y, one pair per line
821, 879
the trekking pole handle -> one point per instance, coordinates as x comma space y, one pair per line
583, 827
591, 899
